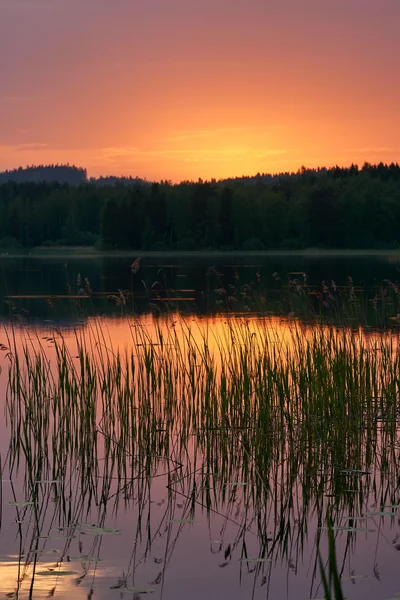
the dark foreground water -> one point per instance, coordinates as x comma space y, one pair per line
182, 518
55, 287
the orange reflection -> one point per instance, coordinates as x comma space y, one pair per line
44, 586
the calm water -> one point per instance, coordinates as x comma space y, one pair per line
184, 522
42, 288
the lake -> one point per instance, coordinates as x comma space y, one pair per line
43, 286
182, 426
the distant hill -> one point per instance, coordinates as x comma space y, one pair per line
46, 173
64, 174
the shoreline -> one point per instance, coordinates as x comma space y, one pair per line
90, 252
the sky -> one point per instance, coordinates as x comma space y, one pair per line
182, 89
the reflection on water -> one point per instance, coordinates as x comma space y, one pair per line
146, 452
186, 457
363, 288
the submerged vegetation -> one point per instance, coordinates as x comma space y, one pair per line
327, 208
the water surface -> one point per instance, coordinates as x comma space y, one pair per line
180, 508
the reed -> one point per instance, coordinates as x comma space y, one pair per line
285, 422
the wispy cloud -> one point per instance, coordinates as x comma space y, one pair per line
209, 154
24, 147
269, 153
30, 146
371, 150
220, 132
204, 133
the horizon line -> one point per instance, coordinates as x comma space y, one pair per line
300, 169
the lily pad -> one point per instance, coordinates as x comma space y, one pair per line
102, 531
255, 560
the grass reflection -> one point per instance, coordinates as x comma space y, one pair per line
253, 428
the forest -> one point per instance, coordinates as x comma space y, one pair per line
354, 207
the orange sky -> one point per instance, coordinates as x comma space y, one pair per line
182, 89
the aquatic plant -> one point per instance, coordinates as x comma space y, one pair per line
260, 425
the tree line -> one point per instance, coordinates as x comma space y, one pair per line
327, 208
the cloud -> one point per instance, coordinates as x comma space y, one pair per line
204, 133
372, 150
30, 146
24, 147
195, 134
227, 153
269, 153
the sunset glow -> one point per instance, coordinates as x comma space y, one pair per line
186, 89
